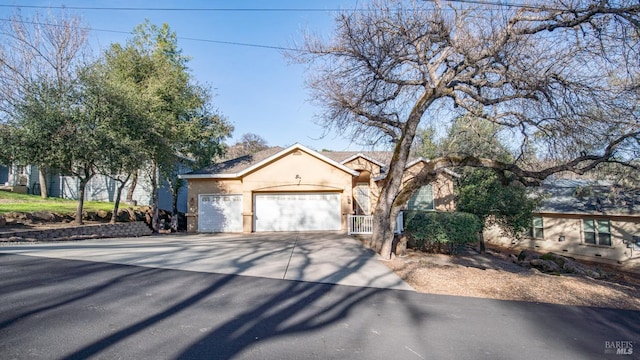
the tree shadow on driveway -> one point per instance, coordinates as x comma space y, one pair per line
111, 310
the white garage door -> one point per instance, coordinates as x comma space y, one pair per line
220, 213
297, 212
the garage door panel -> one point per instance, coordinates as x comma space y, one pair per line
297, 212
220, 213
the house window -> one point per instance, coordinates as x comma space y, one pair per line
422, 199
597, 232
537, 228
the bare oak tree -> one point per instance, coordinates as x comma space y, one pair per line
559, 77
35, 49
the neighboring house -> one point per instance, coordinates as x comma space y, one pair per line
297, 189
99, 188
590, 220
4, 175
18, 178
104, 188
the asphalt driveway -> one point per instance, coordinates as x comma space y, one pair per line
309, 257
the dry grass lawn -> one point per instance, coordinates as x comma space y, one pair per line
494, 276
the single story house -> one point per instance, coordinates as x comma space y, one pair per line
297, 189
585, 219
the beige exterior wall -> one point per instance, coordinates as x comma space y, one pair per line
368, 171
299, 171
623, 228
197, 187
296, 171
443, 196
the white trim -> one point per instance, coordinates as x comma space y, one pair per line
370, 159
363, 224
296, 146
412, 163
207, 176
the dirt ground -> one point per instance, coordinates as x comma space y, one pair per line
494, 275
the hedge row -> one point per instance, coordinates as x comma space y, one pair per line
441, 232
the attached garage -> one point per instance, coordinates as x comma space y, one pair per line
297, 212
220, 213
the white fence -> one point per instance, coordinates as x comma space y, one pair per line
363, 224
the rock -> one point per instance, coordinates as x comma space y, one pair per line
103, 215
18, 215
400, 245
592, 274
89, 215
145, 209
526, 255
547, 266
3, 221
125, 215
43, 216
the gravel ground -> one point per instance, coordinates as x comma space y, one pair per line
494, 276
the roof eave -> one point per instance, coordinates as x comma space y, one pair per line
208, 176
296, 146
368, 158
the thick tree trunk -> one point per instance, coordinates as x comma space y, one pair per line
132, 188
174, 211
481, 241
384, 218
42, 177
155, 223
116, 205
83, 184
381, 231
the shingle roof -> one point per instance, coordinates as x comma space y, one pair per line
571, 196
383, 157
238, 164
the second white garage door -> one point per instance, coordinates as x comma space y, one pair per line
297, 212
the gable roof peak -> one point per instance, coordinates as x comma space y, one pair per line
240, 166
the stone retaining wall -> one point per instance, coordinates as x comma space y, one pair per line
128, 229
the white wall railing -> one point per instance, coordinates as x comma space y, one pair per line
363, 224
359, 224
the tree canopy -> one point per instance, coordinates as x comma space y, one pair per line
249, 143
495, 201
135, 106
42, 53
559, 78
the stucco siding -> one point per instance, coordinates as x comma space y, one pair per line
296, 171
443, 196
197, 187
360, 163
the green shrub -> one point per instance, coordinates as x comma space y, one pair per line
548, 256
441, 232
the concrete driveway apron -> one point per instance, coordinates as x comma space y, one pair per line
311, 257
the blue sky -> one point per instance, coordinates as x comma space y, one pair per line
256, 88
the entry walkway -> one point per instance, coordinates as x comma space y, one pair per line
310, 257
